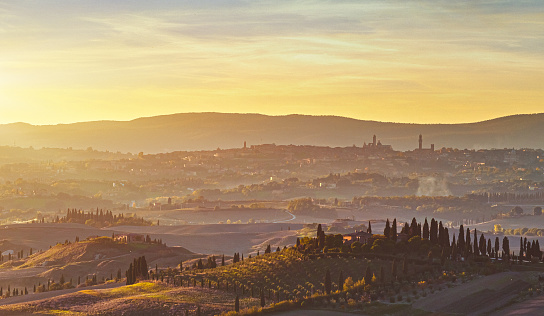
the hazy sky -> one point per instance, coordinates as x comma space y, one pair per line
405, 61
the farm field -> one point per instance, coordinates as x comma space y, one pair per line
138, 299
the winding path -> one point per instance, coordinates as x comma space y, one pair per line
287, 220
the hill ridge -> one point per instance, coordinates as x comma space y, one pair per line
211, 130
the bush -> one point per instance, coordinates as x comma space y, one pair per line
55, 287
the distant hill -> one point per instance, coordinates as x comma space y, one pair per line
199, 131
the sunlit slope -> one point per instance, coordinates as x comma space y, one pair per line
138, 299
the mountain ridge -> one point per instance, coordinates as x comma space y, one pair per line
211, 130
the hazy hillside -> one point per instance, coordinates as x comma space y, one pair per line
195, 131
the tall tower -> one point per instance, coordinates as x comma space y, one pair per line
374, 141
245, 145
420, 142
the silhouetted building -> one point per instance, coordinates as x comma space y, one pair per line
421, 149
376, 146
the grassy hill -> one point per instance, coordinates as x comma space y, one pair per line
101, 256
289, 280
195, 131
138, 299
287, 272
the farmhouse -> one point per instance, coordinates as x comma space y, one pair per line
130, 238
362, 237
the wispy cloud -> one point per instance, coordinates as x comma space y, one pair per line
338, 57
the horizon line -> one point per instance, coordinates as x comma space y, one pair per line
270, 115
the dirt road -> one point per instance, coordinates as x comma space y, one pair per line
478, 296
530, 307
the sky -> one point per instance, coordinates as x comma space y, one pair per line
425, 61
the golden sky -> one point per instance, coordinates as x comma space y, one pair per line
405, 61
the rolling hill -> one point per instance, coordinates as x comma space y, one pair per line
200, 131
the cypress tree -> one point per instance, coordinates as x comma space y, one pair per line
476, 246
368, 275
393, 231
447, 237
406, 229
506, 247
341, 281
414, 228
482, 245
394, 269
468, 244
433, 231
426, 229
461, 240
129, 275
520, 248
387, 229
328, 281
441, 237
134, 276
369, 229
321, 240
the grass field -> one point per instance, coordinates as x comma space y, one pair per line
145, 298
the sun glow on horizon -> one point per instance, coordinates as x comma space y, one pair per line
66, 62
